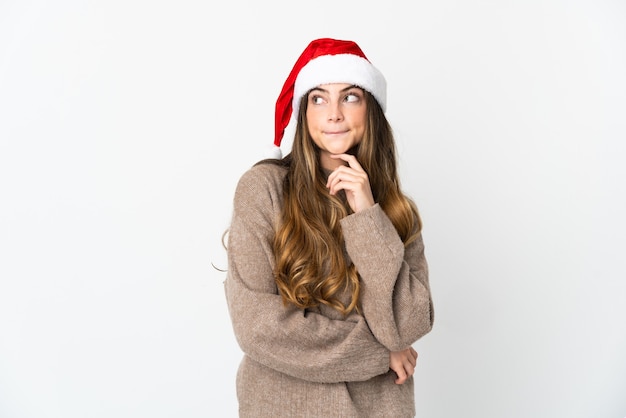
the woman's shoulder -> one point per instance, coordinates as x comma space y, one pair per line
264, 176
264, 172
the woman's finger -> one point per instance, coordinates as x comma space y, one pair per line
350, 159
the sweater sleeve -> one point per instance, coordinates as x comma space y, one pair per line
395, 297
303, 344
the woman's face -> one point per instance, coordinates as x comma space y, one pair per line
336, 116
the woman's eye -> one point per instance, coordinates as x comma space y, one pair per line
316, 100
351, 97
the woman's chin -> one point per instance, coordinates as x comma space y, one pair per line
340, 150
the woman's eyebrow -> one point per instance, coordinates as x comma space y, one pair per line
318, 89
351, 87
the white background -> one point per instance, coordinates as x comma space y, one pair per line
125, 125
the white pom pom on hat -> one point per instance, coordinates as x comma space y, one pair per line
324, 61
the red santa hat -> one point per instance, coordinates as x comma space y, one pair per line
324, 61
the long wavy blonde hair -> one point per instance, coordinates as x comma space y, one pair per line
311, 267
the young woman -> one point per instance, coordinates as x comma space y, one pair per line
327, 284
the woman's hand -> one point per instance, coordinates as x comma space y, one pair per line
353, 180
403, 363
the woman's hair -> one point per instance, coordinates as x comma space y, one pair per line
311, 267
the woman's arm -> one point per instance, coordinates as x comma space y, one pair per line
395, 296
299, 343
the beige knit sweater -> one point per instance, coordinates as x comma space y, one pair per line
316, 363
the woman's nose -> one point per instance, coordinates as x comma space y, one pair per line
334, 112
